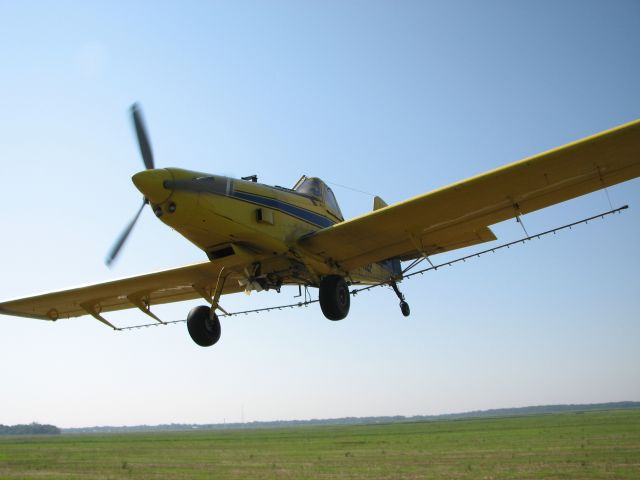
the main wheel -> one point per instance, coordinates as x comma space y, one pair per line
203, 326
404, 307
334, 297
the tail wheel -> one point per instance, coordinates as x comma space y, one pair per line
203, 326
334, 297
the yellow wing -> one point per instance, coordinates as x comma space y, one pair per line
459, 215
142, 291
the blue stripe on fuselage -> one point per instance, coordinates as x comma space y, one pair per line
306, 215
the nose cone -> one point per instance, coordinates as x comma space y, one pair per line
151, 184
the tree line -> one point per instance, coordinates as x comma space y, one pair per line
30, 429
500, 412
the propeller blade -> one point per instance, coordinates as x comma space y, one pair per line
113, 253
141, 134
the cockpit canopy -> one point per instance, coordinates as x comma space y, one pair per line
315, 188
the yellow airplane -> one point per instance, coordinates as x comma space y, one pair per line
259, 237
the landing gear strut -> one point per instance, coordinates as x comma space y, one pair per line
334, 297
204, 326
404, 306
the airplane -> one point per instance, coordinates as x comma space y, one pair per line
258, 237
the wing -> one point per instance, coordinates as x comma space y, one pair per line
459, 215
142, 291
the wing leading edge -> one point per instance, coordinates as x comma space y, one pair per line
459, 215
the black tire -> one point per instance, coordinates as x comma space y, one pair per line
334, 297
203, 327
404, 307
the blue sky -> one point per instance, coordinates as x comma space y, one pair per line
391, 98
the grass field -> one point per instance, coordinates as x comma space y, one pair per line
595, 445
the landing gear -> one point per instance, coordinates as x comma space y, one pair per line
203, 326
334, 297
404, 306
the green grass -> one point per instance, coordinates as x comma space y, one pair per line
594, 445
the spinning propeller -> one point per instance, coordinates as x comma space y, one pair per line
147, 158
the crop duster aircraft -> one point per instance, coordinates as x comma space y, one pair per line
260, 237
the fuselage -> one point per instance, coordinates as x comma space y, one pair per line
215, 212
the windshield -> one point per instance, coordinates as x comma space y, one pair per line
316, 189
332, 204
310, 187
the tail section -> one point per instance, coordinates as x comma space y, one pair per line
378, 203
393, 264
